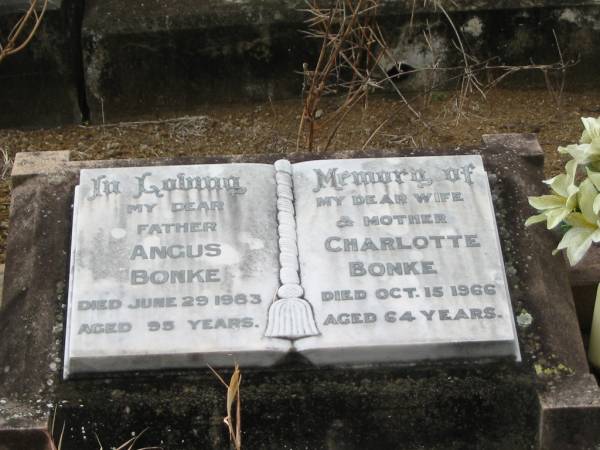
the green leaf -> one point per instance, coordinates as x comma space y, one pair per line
595, 166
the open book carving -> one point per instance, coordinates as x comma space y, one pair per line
358, 261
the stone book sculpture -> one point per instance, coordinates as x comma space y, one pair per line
351, 262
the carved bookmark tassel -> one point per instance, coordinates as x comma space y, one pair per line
290, 316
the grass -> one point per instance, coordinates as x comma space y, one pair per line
233, 420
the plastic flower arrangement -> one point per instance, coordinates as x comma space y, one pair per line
574, 204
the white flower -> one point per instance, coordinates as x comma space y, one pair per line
594, 177
588, 149
584, 225
556, 207
591, 134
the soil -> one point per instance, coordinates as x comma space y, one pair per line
272, 127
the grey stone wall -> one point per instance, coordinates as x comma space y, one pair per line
39, 87
121, 60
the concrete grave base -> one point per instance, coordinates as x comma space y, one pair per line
548, 401
570, 408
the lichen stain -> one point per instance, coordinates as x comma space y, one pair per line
473, 26
570, 15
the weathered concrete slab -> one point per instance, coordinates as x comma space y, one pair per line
587, 271
571, 415
175, 56
31, 164
26, 439
497, 406
40, 84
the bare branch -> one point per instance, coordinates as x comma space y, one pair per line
31, 19
355, 60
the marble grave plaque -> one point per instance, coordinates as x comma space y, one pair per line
172, 267
359, 261
401, 260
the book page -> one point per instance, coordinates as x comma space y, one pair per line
173, 266
400, 260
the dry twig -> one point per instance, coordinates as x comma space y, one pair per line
5, 163
128, 445
24, 30
355, 59
346, 64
